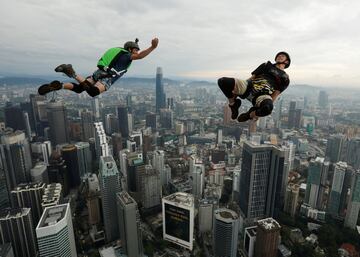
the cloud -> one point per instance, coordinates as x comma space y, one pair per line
197, 38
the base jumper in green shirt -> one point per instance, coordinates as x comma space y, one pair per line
112, 65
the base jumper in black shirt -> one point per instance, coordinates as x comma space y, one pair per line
267, 82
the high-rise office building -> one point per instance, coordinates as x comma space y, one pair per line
346, 188
334, 201
101, 144
158, 162
116, 140
16, 227
123, 118
14, 117
149, 187
316, 182
87, 125
225, 233
261, 165
109, 178
58, 173
249, 240
41, 151
95, 105
160, 94
291, 199
111, 124
267, 238
52, 196
178, 219
166, 118
353, 153
291, 114
35, 99
70, 154
29, 196
84, 159
55, 233
323, 99
206, 213
197, 180
353, 208
15, 157
151, 120
56, 115
334, 147
129, 225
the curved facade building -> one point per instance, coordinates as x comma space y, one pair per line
225, 233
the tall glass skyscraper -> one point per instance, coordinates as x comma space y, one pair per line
109, 178
225, 233
160, 94
56, 114
15, 158
353, 209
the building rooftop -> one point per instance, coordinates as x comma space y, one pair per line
226, 215
53, 215
181, 198
269, 224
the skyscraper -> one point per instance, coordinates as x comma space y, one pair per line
317, 175
149, 187
101, 145
69, 154
206, 214
261, 165
178, 219
53, 195
158, 162
15, 157
34, 100
16, 227
39, 173
267, 238
291, 199
160, 94
129, 225
109, 178
95, 108
116, 140
29, 196
56, 114
353, 208
111, 124
14, 117
58, 173
151, 120
353, 153
197, 180
87, 125
333, 205
166, 118
323, 99
123, 117
333, 147
84, 159
55, 233
225, 233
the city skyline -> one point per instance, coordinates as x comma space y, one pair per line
197, 40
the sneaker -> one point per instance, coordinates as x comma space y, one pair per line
246, 115
235, 108
67, 69
53, 86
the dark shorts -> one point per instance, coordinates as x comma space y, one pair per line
98, 75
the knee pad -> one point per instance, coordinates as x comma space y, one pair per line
85, 84
227, 86
265, 108
77, 88
93, 91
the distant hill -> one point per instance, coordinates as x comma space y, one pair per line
21, 81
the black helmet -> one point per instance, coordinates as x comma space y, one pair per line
131, 44
287, 57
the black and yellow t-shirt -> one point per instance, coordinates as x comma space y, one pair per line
269, 78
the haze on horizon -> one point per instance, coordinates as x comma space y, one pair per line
201, 40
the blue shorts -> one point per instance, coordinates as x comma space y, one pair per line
107, 82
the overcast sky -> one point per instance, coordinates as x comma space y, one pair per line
198, 39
